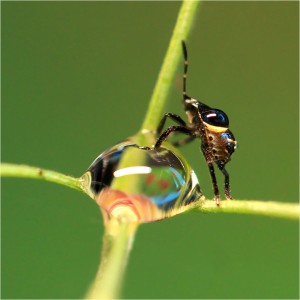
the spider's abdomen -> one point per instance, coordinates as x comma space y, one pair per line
221, 145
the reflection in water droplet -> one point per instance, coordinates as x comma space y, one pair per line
162, 185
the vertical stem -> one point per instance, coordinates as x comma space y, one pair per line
117, 242
119, 234
171, 60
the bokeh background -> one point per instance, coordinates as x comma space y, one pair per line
77, 78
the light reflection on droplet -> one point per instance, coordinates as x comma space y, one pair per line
132, 171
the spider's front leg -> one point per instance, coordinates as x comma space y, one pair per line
183, 128
168, 131
172, 116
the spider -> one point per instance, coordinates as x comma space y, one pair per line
208, 124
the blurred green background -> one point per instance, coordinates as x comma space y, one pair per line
77, 78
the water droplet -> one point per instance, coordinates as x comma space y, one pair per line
150, 184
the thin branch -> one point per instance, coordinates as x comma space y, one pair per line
117, 243
253, 207
24, 171
171, 60
283, 210
116, 247
162, 88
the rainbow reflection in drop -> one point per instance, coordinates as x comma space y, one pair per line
162, 185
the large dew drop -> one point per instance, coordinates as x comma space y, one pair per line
159, 186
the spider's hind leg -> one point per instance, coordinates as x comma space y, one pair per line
226, 182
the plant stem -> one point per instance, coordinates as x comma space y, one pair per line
117, 242
13, 170
162, 88
116, 245
253, 207
168, 69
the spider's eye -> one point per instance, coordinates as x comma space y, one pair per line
215, 117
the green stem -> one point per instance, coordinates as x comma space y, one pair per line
117, 242
13, 170
283, 210
171, 60
253, 207
161, 90
116, 246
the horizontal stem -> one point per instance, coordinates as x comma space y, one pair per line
265, 208
24, 171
